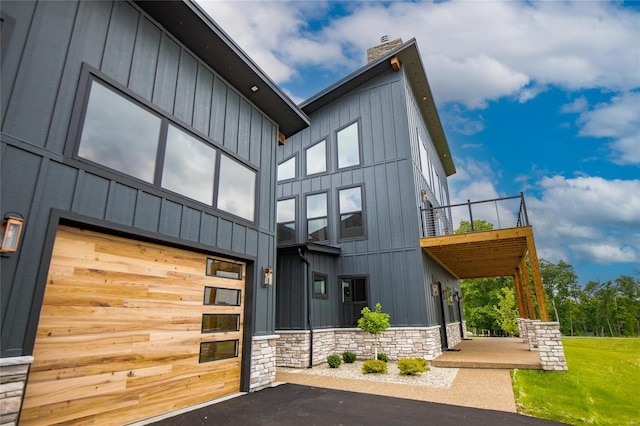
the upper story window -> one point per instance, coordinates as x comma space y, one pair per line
287, 169
120, 134
132, 138
317, 217
351, 217
189, 166
237, 189
286, 218
348, 144
424, 162
316, 158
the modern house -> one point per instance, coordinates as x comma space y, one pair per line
174, 226
138, 156
351, 189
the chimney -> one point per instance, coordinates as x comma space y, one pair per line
375, 52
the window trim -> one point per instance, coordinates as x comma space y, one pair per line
307, 218
358, 123
326, 157
322, 296
295, 219
295, 171
364, 235
89, 74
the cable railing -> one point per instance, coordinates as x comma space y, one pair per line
472, 216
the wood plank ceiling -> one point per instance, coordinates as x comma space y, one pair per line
481, 254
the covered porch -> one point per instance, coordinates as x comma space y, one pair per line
490, 352
500, 251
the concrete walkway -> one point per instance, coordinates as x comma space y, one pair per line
483, 381
477, 388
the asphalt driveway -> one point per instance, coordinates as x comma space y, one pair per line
291, 404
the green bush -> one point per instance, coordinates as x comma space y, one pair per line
374, 366
412, 366
383, 357
334, 361
348, 357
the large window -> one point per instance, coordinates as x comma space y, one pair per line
237, 189
286, 218
189, 166
351, 217
424, 163
120, 134
129, 137
316, 158
317, 217
348, 144
287, 169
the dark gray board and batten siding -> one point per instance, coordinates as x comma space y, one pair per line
45, 48
390, 255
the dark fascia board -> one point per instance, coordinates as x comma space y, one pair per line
410, 59
312, 248
199, 33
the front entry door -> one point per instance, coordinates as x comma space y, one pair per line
354, 298
440, 303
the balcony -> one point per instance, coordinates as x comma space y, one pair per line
498, 248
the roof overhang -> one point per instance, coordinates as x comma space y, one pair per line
483, 254
199, 33
409, 58
312, 248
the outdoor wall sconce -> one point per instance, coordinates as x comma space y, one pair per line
434, 289
10, 231
268, 277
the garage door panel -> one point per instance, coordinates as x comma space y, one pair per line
121, 324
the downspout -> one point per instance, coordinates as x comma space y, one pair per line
308, 284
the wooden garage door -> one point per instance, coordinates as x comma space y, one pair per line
130, 329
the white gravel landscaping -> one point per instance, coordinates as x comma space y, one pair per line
435, 377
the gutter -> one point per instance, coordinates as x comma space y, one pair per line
308, 287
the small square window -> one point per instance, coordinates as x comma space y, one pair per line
287, 169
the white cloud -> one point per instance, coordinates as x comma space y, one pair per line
591, 219
578, 105
618, 120
474, 52
583, 220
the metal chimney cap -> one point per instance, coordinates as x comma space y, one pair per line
385, 38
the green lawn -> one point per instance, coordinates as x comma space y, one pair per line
602, 386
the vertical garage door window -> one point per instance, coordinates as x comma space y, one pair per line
215, 351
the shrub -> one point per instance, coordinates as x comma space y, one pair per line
412, 366
334, 361
383, 357
374, 366
348, 357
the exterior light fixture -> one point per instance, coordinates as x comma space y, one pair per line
434, 289
10, 234
254, 88
268, 277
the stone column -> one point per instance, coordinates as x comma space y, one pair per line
531, 334
13, 380
550, 346
263, 362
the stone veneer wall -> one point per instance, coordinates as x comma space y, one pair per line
292, 348
263, 362
550, 346
453, 334
13, 380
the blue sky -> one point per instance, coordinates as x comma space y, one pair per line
541, 97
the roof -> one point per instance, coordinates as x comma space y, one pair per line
198, 32
410, 59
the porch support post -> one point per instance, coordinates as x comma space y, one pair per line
537, 279
524, 278
522, 308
